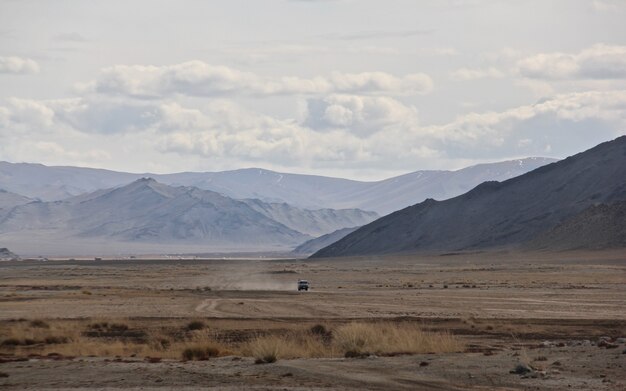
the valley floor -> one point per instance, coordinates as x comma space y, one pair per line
560, 316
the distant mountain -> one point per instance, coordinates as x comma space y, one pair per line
6, 255
57, 183
303, 191
494, 214
144, 211
10, 200
312, 222
314, 245
600, 226
148, 212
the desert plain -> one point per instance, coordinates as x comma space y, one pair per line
496, 320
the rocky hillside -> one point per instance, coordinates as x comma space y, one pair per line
597, 227
494, 214
314, 245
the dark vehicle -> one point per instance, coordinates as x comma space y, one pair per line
303, 285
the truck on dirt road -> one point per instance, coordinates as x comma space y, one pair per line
303, 285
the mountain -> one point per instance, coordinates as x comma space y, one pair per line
303, 191
597, 227
10, 200
6, 255
314, 245
392, 194
494, 214
148, 212
144, 211
312, 222
56, 183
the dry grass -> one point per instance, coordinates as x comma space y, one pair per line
352, 340
391, 339
124, 338
102, 338
293, 345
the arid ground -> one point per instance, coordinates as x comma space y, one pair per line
556, 320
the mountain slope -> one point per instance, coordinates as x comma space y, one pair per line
497, 214
6, 255
304, 191
597, 227
10, 200
312, 222
314, 245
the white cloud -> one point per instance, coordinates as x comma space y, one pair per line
600, 61
362, 115
196, 78
463, 74
341, 132
608, 5
18, 65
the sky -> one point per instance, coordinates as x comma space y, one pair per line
359, 89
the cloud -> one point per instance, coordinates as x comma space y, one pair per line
70, 37
18, 65
361, 115
608, 5
464, 74
377, 34
600, 61
339, 132
196, 78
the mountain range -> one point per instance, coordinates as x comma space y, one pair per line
303, 191
157, 215
555, 200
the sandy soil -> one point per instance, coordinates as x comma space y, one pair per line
549, 311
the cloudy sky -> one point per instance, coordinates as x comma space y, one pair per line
354, 88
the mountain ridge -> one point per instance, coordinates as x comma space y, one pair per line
51, 183
497, 214
146, 211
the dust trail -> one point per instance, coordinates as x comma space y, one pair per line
248, 277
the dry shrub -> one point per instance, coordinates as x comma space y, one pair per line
35, 335
39, 323
200, 352
195, 325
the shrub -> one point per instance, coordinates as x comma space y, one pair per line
200, 353
11, 342
319, 329
39, 324
55, 340
195, 325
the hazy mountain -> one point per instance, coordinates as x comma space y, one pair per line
497, 214
312, 222
314, 245
10, 200
56, 183
597, 227
304, 191
146, 211
6, 255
